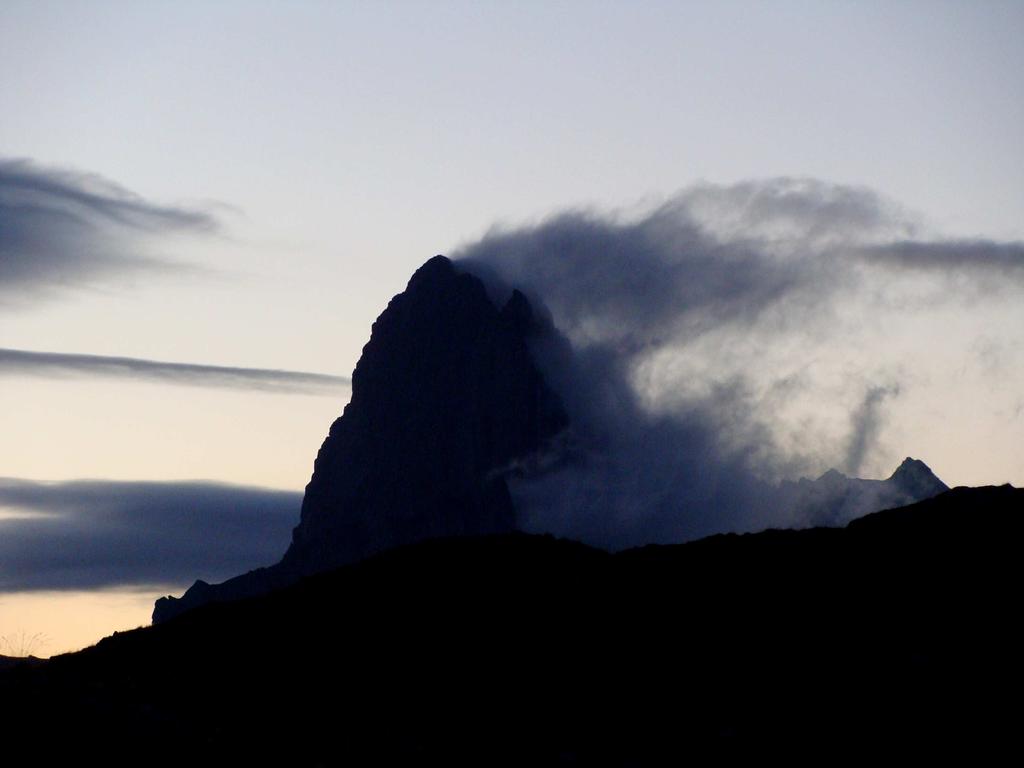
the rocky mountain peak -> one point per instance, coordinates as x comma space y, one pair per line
835, 499
917, 479
445, 393
444, 397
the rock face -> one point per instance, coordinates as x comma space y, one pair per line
445, 399
916, 479
835, 499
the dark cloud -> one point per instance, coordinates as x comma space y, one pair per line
55, 364
978, 256
633, 283
60, 229
689, 331
866, 423
100, 533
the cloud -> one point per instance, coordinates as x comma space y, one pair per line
100, 533
866, 422
720, 341
61, 229
56, 364
977, 256
715, 256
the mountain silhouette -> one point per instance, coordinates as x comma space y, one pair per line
445, 398
897, 634
409, 621
446, 403
835, 499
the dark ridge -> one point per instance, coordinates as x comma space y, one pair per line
956, 516
11, 662
896, 635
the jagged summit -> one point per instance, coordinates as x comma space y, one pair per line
444, 397
832, 478
436, 267
917, 479
836, 499
444, 394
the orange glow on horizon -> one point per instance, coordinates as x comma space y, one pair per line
52, 623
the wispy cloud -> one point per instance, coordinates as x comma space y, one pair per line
865, 423
978, 256
61, 229
59, 365
99, 533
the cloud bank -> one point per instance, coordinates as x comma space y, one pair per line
731, 337
61, 230
101, 533
55, 365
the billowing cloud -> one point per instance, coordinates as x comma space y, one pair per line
730, 337
715, 256
60, 229
101, 533
58, 365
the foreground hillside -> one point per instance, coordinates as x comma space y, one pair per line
899, 629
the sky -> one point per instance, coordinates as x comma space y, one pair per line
203, 207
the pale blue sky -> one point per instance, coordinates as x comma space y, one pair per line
355, 139
339, 145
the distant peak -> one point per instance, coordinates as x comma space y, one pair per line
911, 466
832, 476
914, 474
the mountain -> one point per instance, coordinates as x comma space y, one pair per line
409, 622
916, 479
897, 634
835, 499
445, 398
446, 403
